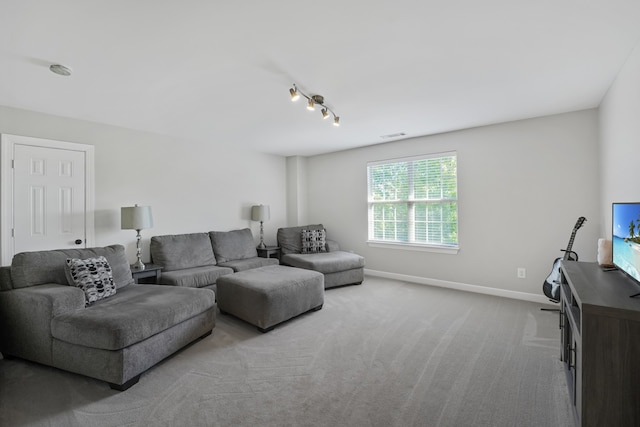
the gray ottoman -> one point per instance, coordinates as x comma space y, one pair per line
270, 295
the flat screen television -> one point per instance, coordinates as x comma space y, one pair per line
626, 238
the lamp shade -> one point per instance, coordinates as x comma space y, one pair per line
260, 213
136, 218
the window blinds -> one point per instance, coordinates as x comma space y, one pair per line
414, 200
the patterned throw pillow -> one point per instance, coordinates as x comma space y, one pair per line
313, 241
92, 275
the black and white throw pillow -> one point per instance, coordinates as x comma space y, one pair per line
93, 276
314, 241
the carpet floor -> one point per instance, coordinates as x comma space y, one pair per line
385, 353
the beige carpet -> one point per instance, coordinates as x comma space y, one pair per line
384, 353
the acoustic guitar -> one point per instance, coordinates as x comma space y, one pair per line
551, 286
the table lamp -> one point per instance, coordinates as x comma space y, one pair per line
136, 218
260, 213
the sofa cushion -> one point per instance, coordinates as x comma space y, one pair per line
175, 252
233, 245
196, 277
313, 241
92, 275
38, 268
289, 238
326, 262
249, 263
132, 315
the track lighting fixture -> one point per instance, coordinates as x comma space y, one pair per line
312, 100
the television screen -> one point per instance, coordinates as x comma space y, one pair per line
626, 238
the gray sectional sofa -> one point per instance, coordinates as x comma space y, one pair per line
115, 339
198, 259
339, 267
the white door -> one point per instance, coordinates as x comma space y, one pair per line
49, 198
46, 195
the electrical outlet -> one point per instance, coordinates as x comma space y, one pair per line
522, 273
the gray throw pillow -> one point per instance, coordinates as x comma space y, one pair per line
92, 275
313, 241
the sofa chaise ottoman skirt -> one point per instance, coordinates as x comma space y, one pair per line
267, 296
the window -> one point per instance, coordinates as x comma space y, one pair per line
414, 201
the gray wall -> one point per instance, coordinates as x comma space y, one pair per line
522, 186
191, 186
620, 139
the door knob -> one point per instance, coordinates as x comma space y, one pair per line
78, 241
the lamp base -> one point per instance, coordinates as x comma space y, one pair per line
261, 245
138, 265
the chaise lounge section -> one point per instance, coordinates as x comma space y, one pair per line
339, 267
115, 339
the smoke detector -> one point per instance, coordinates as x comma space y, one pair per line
60, 69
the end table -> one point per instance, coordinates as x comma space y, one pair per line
150, 274
269, 251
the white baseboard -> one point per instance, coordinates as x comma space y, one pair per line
524, 296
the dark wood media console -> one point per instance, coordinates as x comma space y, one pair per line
600, 330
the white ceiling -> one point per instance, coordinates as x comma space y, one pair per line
220, 71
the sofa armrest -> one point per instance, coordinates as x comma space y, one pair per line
332, 245
25, 318
5, 279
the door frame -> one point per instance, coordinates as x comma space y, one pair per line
7, 150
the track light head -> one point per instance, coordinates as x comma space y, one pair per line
294, 94
336, 121
325, 114
311, 105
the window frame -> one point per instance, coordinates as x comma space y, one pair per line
411, 202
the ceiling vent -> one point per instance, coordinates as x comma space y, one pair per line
393, 135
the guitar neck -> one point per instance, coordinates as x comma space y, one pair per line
567, 251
